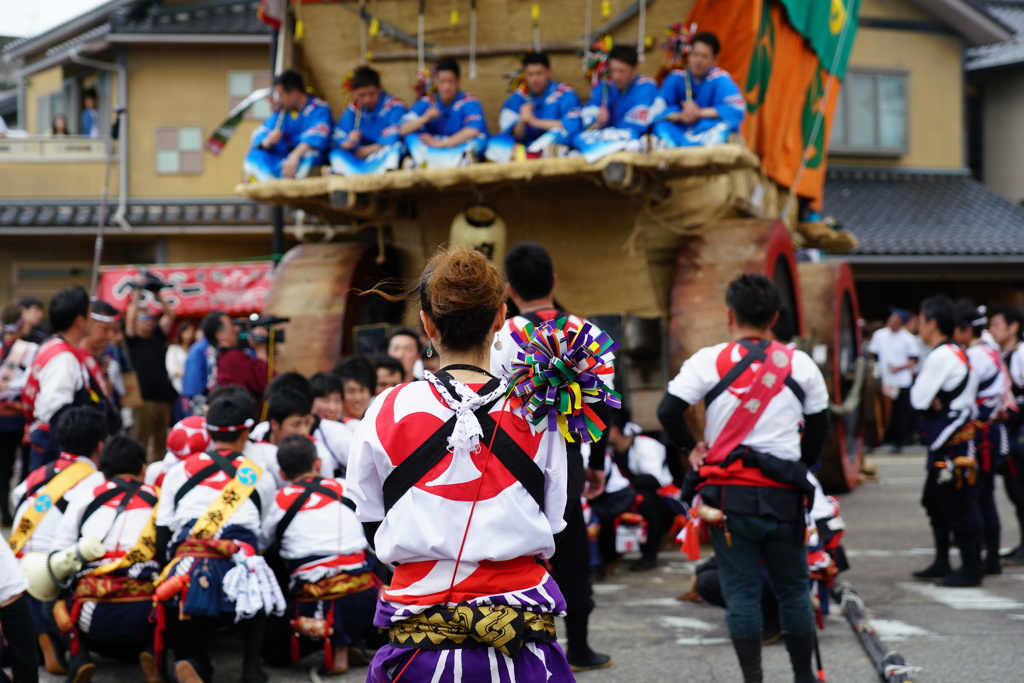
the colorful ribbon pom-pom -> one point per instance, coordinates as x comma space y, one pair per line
424, 84
558, 373
597, 60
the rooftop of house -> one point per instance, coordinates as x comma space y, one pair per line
924, 214
1006, 54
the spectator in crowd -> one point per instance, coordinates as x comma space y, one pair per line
59, 125
147, 348
328, 390
231, 364
390, 373
404, 345
32, 320
177, 355
16, 355
90, 119
197, 378
104, 326
3, 128
359, 381
897, 353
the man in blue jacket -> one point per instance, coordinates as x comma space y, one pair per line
446, 128
293, 139
618, 113
538, 117
366, 136
702, 107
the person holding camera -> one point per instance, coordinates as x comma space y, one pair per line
230, 363
146, 335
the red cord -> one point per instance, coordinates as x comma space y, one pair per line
469, 520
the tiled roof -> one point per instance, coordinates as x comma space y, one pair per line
1010, 13
77, 213
917, 214
207, 18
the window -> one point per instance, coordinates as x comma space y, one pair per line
241, 84
49, 105
179, 149
871, 114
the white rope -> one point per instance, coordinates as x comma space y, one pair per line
642, 38
465, 438
472, 42
588, 27
819, 118
421, 59
362, 32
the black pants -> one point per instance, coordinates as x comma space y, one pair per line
20, 654
10, 449
1012, 470
901, 422
570, 565
190, 640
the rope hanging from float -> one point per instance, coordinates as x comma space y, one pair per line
472, 40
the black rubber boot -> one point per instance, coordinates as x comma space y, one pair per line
970, 572
940, 568
254, 632
80, 667
992, 563
801, 648
748, 652
578, 652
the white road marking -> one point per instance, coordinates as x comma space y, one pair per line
698, 641
963, 598
1016, 617
901, 481
891, 629
603, 588
907, 552
653, 602
672, 621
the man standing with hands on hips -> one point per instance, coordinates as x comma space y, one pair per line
753, 467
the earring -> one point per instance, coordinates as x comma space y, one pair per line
497, 345
430, 350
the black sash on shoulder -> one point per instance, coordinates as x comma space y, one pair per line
756, 351
311, 486
220, 464
126, 486
511, 455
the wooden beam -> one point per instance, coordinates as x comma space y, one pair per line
457, 51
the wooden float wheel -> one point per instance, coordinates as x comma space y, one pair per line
316, 286
831, 318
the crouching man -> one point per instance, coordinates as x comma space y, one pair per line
333, 592
208, 520
108, 609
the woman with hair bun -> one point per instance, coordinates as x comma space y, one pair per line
464, 496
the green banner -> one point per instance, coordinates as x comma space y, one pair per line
829, 26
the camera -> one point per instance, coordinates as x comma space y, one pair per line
149, 282
255, 321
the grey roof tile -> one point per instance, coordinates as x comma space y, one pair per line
1011, 52
53, 213
924, 214
223, 18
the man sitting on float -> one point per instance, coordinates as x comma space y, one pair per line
293, 139
446, 127
618, 113
537, 118
701, 105
366, 137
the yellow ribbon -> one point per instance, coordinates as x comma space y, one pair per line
65, 480
144, 550
235, 492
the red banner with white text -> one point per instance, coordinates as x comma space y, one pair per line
238, 289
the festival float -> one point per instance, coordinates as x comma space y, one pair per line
643, 242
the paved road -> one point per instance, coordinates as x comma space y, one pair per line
953, 634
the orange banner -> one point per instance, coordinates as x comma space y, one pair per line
783, 82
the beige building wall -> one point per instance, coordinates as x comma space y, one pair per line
43, 83
186, 86
934, 66
1003, 146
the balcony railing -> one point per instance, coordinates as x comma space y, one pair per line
53, 149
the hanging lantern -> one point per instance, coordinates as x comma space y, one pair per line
481, 228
